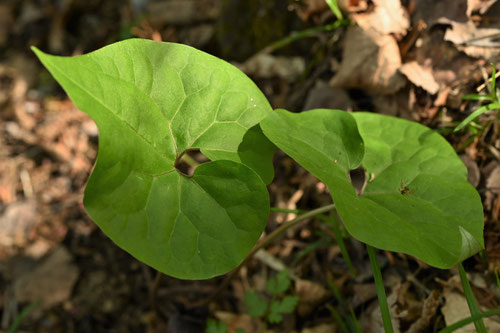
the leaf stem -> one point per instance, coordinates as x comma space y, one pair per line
266, 241
471, 301
379, 283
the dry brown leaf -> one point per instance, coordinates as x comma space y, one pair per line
430, 11
479, 6
50, 282
234, 321
420, 76
473, 173
370, 62
321, 328
322, 96
181, 11
429, 309
456, 309
310, 8
388, 17
311, 294
264, 65
475, 42
17, 222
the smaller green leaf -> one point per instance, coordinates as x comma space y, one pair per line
255, 303
477, 113
280, 283
286, 305
215, 326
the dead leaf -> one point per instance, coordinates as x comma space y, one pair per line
371, 62
264, 65
362, 293
420, 76
388, 17
310, 295
429, 309
473, 173
430, 11
235, 321
321, 328
475, 42
322, 96
181, 11
456, 309
311, 7
479, 6
51, 281
18, 220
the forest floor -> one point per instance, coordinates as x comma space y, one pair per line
410, 59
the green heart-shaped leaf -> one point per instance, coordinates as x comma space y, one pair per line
152, 102
418, 200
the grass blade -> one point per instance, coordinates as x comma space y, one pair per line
379, 283
493, 83
476, 97
477, 113
334, 6
471, 301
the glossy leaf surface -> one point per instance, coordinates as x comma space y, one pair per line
417, 200
152, 102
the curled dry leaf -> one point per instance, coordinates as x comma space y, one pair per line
479, 6
388, 17
371, 62
420, 76
475, 42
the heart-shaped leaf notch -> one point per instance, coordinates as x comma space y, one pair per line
152, 102
417, 200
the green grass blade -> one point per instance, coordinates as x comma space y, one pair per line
477, 97
334, 6
379, 283
471, 301
20, 317
466, 321
493, 83
304, 34
477, 113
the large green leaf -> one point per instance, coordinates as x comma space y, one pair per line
152, 102
418, 200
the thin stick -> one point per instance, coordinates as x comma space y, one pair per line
379, 283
